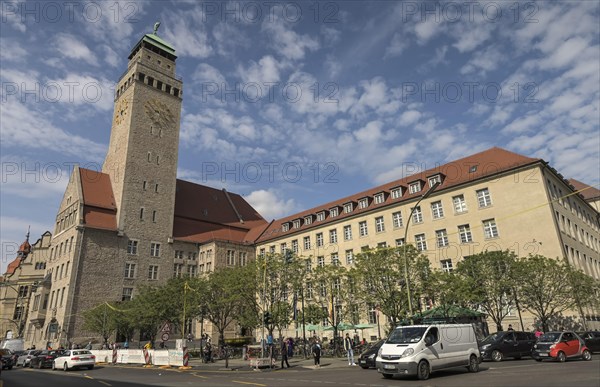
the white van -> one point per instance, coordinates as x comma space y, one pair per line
13, 344
422, 349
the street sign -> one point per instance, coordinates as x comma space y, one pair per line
166, 327
165, 337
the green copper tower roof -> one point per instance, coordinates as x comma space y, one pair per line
155, 43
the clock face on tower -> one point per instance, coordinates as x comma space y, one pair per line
159, 114
121, 111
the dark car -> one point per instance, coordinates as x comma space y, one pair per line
505, 344
15, 356
560, 346
592, 340
6, 358
44, 359
367, 358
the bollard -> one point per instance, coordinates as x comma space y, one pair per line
114, 356
147, 358
186, 358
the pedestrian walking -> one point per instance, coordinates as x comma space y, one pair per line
284, 354
316, 352
349, 347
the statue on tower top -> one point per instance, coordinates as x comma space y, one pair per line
156, 25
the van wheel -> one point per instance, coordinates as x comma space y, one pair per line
423, 370
473, 364
497, 355
387, 376
586, 355
561, 357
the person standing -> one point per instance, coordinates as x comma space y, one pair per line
316, 352
284, 353
510, 328
538, 333
349, 347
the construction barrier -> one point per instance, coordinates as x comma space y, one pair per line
114, 356
171, 357
186, 357
146, 357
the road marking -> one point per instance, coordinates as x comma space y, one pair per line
254, 384
105, 383
200, 376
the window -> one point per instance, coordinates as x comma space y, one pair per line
297, 223
308, 266
437, 210
156, 187
465, 233
230, 257
363, 203
306, 243
490, 229
483, 198
347, 233
372, 313
272, 249
155, 249
154, 216
414, 187
191, 271
349, 257
144, 185
153, 272
362, 228
191, 256
397, 219
421, 242
333, 236
309, 291
400, 242
283, 248
459, 204
334, 212
379, 198
285, 227
178, 254
295, 245
319, 239
417, 215
379, 225
132, 247
335, 259
348, 207
321, 216
441, 237
127, 293
446, 265
321, 261
434, 179
308, 219
142, 213
396, 193
381, 245
130, 270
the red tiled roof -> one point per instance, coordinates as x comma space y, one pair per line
12, 266
477, 166
203, 213
588, 192
99, 209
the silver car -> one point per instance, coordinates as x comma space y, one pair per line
25, 358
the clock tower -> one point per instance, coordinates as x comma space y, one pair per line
142, 155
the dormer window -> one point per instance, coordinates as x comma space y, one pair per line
434, 179
321, 216
308, 219
348, 207
333, 212
396, 193
363, 202
285, 227
297, 223
379, 198
414, 187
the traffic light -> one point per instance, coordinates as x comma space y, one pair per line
267, 319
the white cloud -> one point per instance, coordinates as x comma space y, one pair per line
409, 117
269, 205
398, 44
563, 55
73, 48
265, 71
287, 42
207, 73
370, 132
11, 51
185, 28
484, 61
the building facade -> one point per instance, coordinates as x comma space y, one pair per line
134, 223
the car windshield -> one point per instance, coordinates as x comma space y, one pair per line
549, 337
406, 335
82, 353
492, 338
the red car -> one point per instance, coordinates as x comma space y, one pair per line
560, 346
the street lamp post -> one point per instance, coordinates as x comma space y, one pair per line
425, 195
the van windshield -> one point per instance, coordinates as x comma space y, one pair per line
406, 335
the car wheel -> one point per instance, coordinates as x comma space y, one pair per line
586, 355
561, 357
423, 370
473, 364
53, 366
65, 367
387, 376
39, 365
497, 355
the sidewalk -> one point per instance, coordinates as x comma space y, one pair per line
296, 363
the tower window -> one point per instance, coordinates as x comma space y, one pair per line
157, 160
176, 92
151, 81
142, 77
149, 156
154, 216
144, 185
159, 85
168, 89
156, 187
142, 213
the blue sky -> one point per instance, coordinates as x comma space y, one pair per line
293, 104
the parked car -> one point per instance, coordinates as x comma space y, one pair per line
505, 344
421, 349
592, 340
24, 359
74, 358
6, 355
15, 355
368, 356
560, 346
44, 359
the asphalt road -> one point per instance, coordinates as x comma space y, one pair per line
511, 372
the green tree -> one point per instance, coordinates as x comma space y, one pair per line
103, 319
490, 277
446, 290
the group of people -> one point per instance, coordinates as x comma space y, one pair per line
349, 345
